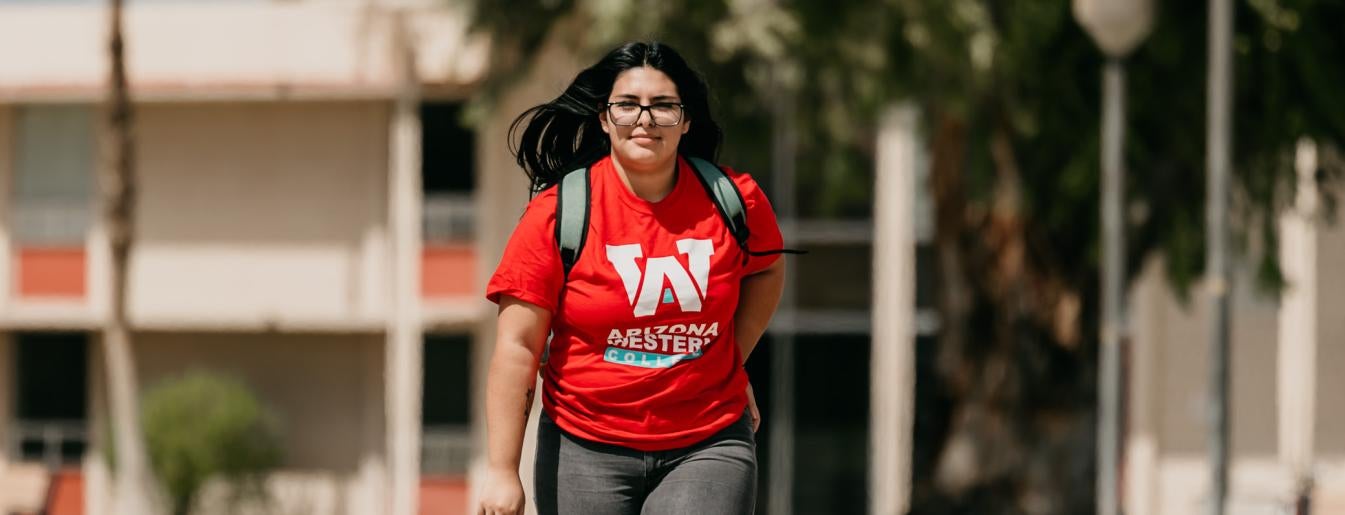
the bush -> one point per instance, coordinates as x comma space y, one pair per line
201, 426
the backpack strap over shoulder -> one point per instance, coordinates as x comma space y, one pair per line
728, 200
574, 198
572, 212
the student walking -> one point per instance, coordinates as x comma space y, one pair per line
652, 272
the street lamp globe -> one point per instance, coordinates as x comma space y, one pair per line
1117, 26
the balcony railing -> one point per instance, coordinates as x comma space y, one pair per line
445, 450
52, 442
51, 221
448, 218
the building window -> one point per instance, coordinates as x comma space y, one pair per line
446, 413
51, 398
448, 173
831, 422
830, 402
53, 163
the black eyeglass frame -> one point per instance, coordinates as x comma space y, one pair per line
681, 113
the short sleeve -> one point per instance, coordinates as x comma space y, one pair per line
530, 269
761, 223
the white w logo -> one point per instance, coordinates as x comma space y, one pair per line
650, 289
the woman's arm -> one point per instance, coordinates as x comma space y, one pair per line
521, 333
757, 299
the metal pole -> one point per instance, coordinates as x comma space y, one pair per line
783, 153
1217, 145
1113, 277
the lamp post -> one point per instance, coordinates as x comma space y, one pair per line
1219, 125
1117, 26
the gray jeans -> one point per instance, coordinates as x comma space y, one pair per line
717, 476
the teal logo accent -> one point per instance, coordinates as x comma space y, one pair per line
667, 296
646, 359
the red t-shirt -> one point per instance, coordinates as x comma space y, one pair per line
643, 353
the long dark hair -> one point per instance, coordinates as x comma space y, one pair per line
564, 134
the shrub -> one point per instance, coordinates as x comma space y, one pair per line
202, 426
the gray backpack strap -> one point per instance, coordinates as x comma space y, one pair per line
572, 206
572, 209
726, 196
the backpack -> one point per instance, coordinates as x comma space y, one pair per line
572, 210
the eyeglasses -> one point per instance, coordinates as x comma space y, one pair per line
628, 113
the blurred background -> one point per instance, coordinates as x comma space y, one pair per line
320, 188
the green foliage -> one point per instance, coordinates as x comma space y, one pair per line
1026, 62
202, 426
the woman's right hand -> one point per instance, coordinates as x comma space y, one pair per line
520, 337
502, 494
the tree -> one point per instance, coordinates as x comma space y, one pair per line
118, 203
1013, 143
1009, 92
203, 426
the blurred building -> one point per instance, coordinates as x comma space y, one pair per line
264, 138
1287, 415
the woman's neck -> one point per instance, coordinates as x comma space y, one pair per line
653, 184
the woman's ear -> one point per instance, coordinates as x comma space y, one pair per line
602, 122
686, 126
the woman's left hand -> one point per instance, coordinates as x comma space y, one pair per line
752, 408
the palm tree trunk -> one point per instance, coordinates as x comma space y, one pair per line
1002, 308
118, 201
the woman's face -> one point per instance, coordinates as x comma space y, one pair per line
648, 143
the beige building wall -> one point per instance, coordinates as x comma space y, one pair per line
233, 50
1168, 472
1330, 427
1183, 350
1329, 430
261, 215
262, 207
325, 390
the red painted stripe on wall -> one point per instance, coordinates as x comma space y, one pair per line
443, 496
66, 495
448, 271
51, 272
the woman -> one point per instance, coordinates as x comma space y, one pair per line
646, 406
